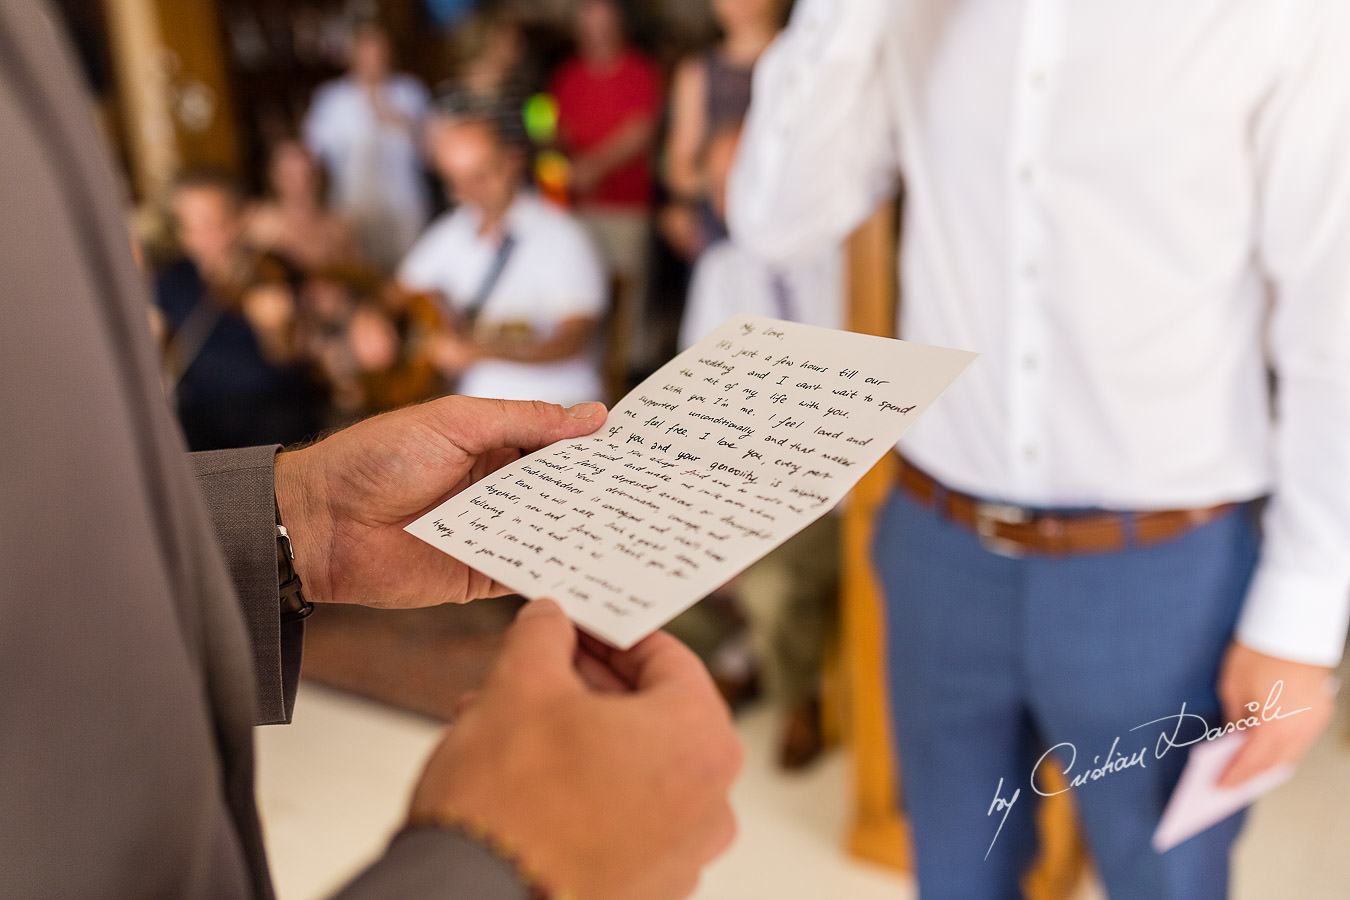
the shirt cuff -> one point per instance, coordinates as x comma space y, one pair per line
437, 862
1296, 616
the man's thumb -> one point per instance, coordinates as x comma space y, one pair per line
538, 648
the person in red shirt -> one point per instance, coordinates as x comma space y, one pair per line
609, 98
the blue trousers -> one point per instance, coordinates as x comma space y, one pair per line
993, 660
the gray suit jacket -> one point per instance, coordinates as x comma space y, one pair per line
135, 656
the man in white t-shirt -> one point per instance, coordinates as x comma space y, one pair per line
519, 281
366, 127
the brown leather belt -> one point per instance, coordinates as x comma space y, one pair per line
1017, 531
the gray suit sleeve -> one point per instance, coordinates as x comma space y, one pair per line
419, 863
240, 495
437, 863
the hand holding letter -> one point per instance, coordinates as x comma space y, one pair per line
608, 779
346, 499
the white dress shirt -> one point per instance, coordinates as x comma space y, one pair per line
375, 168
552, 273
1132, 210
727, 281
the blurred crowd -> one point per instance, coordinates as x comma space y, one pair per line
517, 230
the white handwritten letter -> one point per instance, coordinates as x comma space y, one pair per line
717, 458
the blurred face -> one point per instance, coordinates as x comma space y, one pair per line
208, 224
504, 47
370, 57
481, 173
326, 300
293, 171
599, 30
736, 14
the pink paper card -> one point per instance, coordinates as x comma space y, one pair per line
1198, 802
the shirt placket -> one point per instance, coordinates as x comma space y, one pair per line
1029, 269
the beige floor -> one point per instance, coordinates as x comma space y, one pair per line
333, 785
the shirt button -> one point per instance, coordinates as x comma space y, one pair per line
1030, 270
1030, 453
1039, 79
1025, 174
1030, 363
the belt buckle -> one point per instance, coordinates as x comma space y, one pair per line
988, 516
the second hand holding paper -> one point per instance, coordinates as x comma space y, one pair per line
716, 459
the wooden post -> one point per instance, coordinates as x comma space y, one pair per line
173, 89
878, 832
152, 151
204, 110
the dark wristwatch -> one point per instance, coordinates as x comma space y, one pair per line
294, 606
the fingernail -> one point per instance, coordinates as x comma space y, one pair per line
541, 607
585, 410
